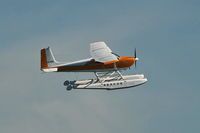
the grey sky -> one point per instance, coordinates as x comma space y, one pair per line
166, 34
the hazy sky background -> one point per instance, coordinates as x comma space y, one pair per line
166, 34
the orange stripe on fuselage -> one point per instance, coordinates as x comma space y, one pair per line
123, 62
110, 62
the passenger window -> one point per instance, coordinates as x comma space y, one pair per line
113, 83
121, 83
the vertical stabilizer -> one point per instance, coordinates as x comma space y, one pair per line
50, 56
43, 64
47, 59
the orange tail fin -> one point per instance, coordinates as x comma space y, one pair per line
43, 64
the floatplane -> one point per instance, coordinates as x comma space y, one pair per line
105, 64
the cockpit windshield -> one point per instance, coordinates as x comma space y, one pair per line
115, 54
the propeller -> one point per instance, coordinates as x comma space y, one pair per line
135, 56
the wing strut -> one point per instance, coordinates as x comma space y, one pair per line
115, 66
111, 75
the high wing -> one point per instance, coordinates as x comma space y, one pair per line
102, 53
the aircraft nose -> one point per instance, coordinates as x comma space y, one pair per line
136, 59
132, 60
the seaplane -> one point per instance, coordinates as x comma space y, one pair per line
105, 64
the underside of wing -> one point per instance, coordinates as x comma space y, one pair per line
101, 52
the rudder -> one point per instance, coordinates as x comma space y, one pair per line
43, 64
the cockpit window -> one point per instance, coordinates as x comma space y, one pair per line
115, 54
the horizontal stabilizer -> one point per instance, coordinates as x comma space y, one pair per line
50, 70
